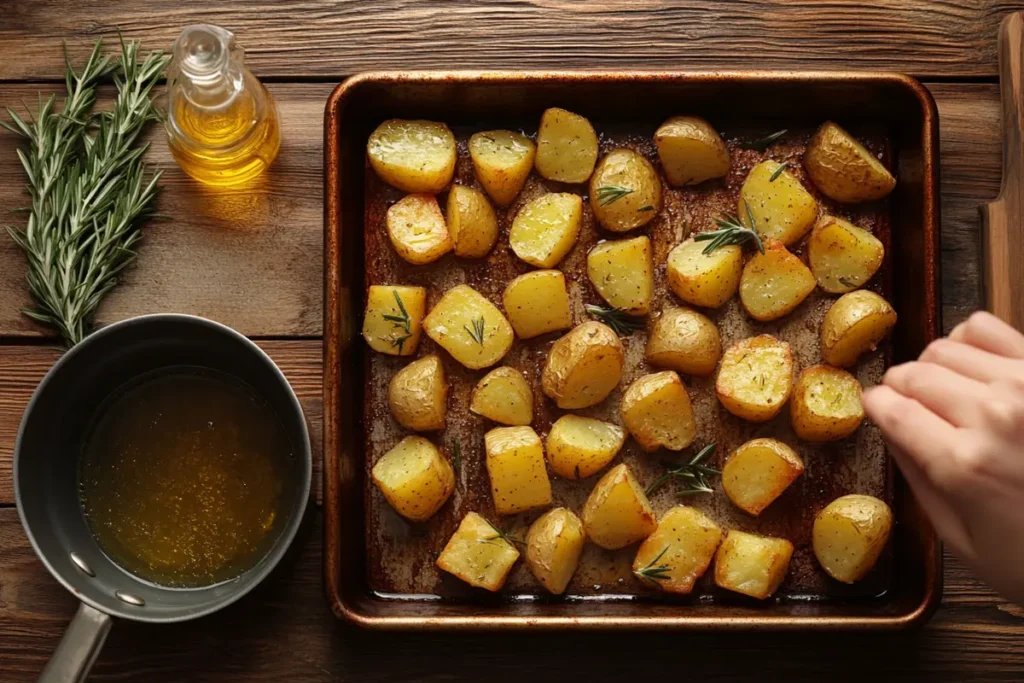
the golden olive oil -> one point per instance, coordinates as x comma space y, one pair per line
183, 477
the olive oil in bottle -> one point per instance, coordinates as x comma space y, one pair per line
222, 125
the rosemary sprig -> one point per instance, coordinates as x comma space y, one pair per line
90, 191
782, 167
609, 194
402, 323
621, 322
503, 535
761, 144
731, 230
654, 572
457, 456
477, 333
693, 475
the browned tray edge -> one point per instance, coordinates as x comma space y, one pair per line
350, 612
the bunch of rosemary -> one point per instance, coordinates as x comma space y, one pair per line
90, 190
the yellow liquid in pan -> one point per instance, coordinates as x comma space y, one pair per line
183, 478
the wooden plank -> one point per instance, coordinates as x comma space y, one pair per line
250, 258
306, 38
21, 368
284, 632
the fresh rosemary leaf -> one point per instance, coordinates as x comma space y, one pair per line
782, 167
692, 476
761, 144
847, 283
654, 572
477, 333
621, 322
402, 323
503, 535
609, 194
645, 209
730, 231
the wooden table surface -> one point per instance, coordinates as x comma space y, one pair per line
252, 259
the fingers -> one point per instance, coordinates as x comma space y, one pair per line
953, 397
988, 333
970, 361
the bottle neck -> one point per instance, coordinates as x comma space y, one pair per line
207, 69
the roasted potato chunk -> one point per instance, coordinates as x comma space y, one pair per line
623, 274
553, 546
701, 279
393, 317
657, 412
825, 405
515, 464
844, 169
546, 229
578, 447
758, 472
566, 147
752, 565
502, 160
625, 191
679, 551
472, 224
842, 256
503, 395
849, 535
617, 512
755, 378
417, 229
415, 156
414, 478
684, 340
469, 327
478, 554
854, 325
780, 206
774, 283
418, 395
691, 151
537, 302
583, 367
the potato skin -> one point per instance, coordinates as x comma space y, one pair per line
417, 229
656, 410
418, 394
849, 535
752, 565
757, 473
388, 336
782, 209
825, 405
755, 378
578, 447
684, 340
707, 280
472, 223
684, 544
419, 496
415, 156
622, 272
584, 366
854, 325
691, 151
617, 512
553, 547
503, 395
566, 146
624, 168
774, 283
842, 256
537, 303
843, 169
502, 160
477, 554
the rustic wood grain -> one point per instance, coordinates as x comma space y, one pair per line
308, 38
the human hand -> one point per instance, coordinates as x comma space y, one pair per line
955, 422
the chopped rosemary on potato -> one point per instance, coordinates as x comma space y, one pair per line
654, 572
730, 231
503, 535
621, 322
477, 333
846, 283
782, 167
693, 476
761, 144
401, 322
609, 194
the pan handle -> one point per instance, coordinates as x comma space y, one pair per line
79, 647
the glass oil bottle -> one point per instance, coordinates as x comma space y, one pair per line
222, 124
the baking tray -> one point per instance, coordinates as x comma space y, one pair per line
379, 570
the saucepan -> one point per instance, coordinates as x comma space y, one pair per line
45, 474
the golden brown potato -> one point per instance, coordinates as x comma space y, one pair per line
854, 325
584, 366
758, 472
774, 283
684, 340
782, 209
690, 150
418, 395
844, 169
502, 160
617, 512
553, 546
657, 412
469, 327
825, 405
755, 378
546, 228
842, 256
701, 279
623, 274
472, 224
578, 446
625, 191
503, 395
392, 322
849, 535
414, 478
537, 302
417, 229
415, 156
478, 554
515, 465
752, 565
566, 146
679, 551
